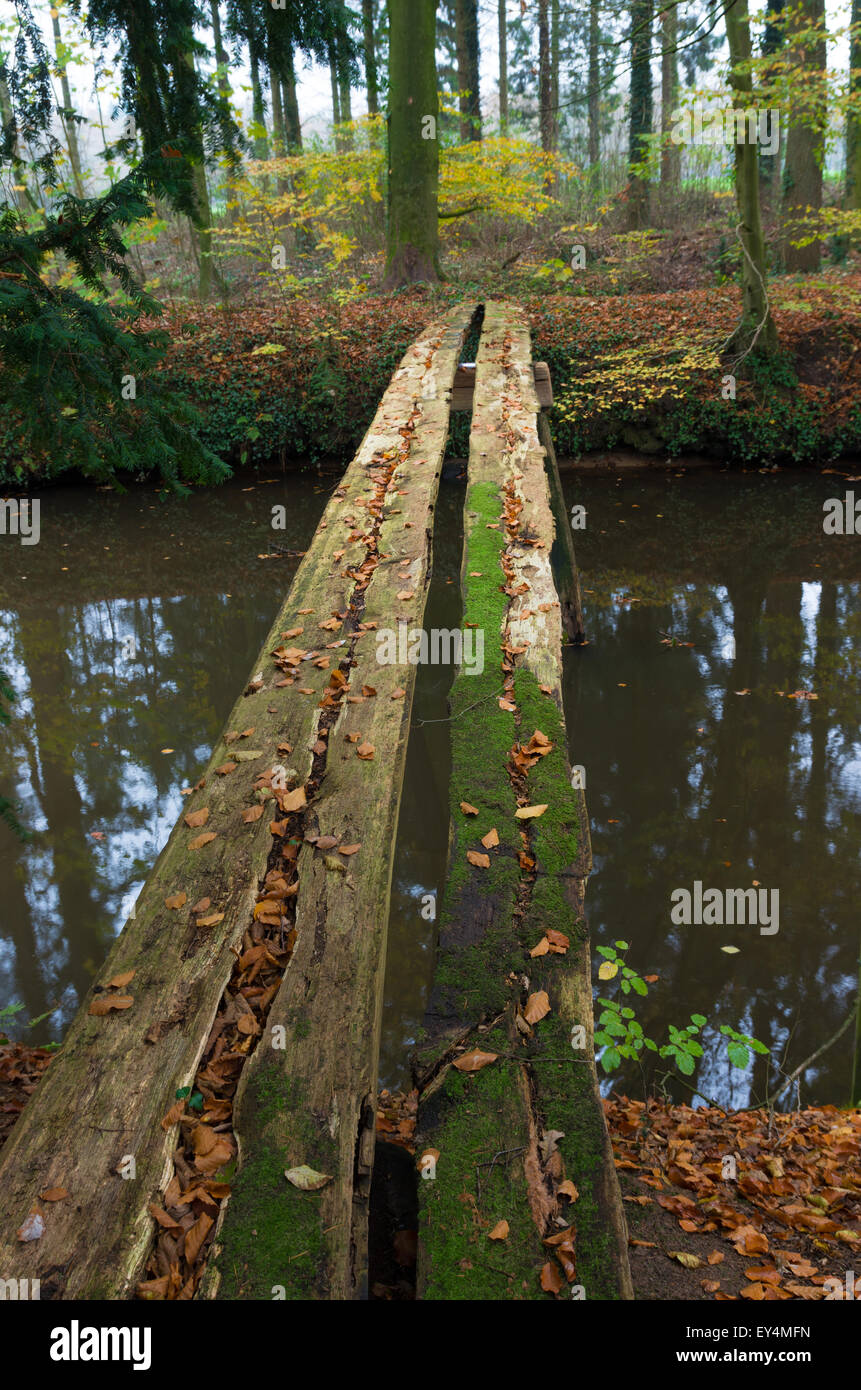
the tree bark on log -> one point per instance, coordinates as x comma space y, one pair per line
497, 1142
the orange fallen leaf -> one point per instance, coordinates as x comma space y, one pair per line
211, 921
53, 1194
551, 1278
195, 819
537, 1007
499, 1232
175, 901
252, 814
567, 1189
105, 1003
481, 861
120, 981
530, 812
467, 809
366, 751
542, 948
474, 1060
202, 840
293, 801
490, 840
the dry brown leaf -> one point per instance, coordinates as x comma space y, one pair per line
204, 839
490, 840
212, 920
196, 1236
467, 809
481, 861
53, 1194
120, 981
551, 1278
252, 814
530, 812
366, 751
293, 801
499, 1232
176, 1111
537, 1007
175, 901
567, 1189
105, 1003
542, 948
195, 819
474, 1060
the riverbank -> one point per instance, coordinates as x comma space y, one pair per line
273, 378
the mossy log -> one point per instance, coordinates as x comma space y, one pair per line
103, 1099
499, 1142
313, 1099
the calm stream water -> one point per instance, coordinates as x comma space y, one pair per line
130, 628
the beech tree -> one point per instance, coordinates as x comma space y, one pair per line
413, 145
757, 328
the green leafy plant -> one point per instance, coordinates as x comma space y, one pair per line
620, 1036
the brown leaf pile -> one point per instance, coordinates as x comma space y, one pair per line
796, 1194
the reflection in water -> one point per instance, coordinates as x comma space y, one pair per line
127, 633
700, 765
132, 626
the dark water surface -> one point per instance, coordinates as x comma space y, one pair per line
131, 627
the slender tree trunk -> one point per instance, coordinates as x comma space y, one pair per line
554, 70
336, 95
670, 153
755, 307
292, 121
853, 121
503, 68
413, 227
594, 99
68, 121
772, 41
226, 95
22, 194
466, 18
277, 113
258, 110
344, 87
545, 80
805, 153
640, 120
371, 78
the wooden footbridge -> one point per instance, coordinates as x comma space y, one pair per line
208, 1128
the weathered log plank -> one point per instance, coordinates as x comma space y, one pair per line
464, 386
508, 1135
313, 1100
104, 1097
563, 557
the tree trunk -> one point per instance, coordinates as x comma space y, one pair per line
466, 17
344, 88
68, 121
545, 80
757, 325
772, 41
258, 109
292, 121
802, 176
554, 71
371, 78
594, 98
277, 114
336, 95
670, 153
413, 224
22, 194
503, 68
640, 118
853, 122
